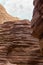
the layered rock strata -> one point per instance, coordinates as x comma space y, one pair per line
17, 45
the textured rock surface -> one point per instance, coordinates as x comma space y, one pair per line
37, 20
17, 45
4, 16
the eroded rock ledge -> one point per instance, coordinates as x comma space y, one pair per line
17, 45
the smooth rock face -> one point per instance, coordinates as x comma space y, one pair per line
4, 16
17, 45
37, 20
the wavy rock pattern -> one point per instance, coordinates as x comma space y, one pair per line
17, 45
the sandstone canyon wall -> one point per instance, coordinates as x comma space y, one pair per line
17, 45
37, 20
4, 16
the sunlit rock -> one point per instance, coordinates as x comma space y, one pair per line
4, 16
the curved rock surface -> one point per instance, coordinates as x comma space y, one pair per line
37, 20
4, 16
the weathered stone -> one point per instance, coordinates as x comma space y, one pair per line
37, 20
4, 16
17, 45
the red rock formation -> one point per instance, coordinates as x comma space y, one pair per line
17, 45
4, 16
37, 20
